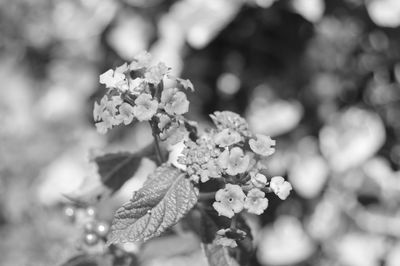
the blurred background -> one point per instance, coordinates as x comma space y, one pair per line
321, 77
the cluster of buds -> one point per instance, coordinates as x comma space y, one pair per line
136, 92
233, 156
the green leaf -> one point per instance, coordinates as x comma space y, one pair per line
116, 168
218, 255
205, 223
107, 259
89, 260
164, 199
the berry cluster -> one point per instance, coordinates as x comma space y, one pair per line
95, 231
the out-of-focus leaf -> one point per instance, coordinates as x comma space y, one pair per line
203, 224
308, 175
116, 168
89, 260
165, 198
218, 255
283, 116
360, 249
100, 260
352, 137
284, 243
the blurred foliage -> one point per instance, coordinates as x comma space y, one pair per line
322, 77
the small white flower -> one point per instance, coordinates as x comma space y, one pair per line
227, 137
222, 240
122, 68
125, 113
111, 79
234, 162
174, 101
280, 187
174, 133
263, 145
164, 120
156, 73
229, 200
258, 180
101, 127
145, 107
255, 201
185, 83
105, 113
97, 111
141, 60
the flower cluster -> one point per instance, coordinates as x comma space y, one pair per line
136, 92
229, 154
234, 157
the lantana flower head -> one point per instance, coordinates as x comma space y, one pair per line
227, 119
234, 161
200, 158
174, 101
280, 187
229, 200
263, 145
255, 201
145, 107
105, 113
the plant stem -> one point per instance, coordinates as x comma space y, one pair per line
206, 195
267, 190
159, 154
233, 222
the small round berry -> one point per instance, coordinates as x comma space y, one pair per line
90, 227
91, 211
102, 229
91, 239
70, 212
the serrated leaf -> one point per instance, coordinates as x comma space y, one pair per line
218, 255
164, 199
